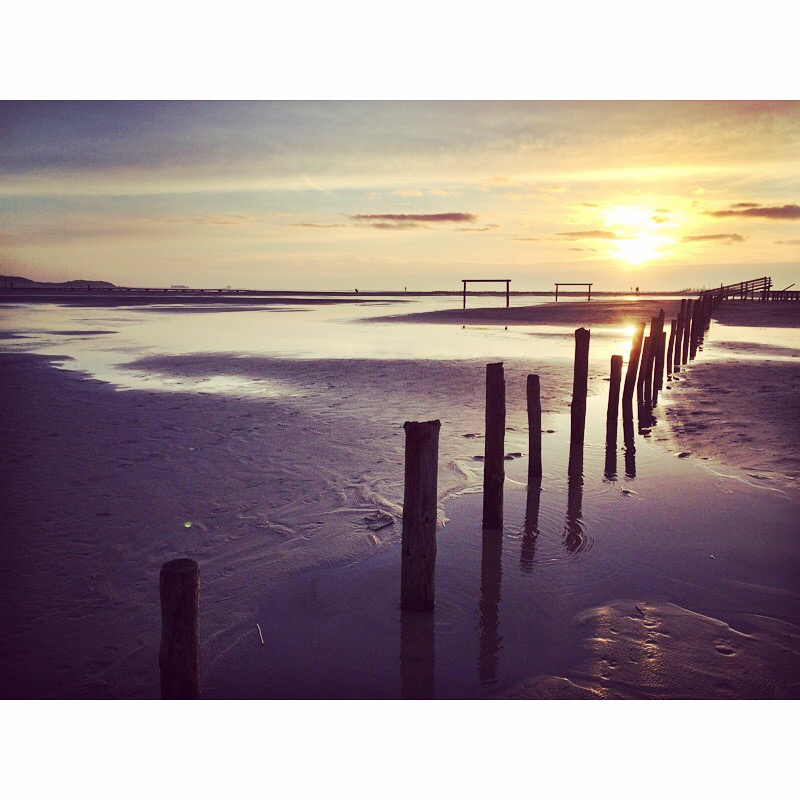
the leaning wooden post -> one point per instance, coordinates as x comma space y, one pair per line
650, 348
643, 370
493, 464
630, 375
580, 383
418, 546
612, 413
534, 429
464, 304
179, 654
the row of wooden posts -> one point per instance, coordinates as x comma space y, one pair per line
649, 358
179, 581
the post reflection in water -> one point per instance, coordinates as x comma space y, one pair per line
574, 538
630, 448
491, 574
417, 655
610, 469
531, 529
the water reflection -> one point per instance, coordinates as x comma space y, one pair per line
417, 656
610, 467
630, 447
574, 535
531, 528
491, 574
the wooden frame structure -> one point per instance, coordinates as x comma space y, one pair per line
465, 281
589, 299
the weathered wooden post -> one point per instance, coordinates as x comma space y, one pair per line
687, 328
697, 329
671, 347
658, 380
612, 412
630, 375
493, 464
643, 370
534, 428
179, 654
676, 364
418, 547
580, 385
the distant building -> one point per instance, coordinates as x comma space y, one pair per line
178, 286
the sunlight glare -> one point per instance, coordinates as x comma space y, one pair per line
639, 249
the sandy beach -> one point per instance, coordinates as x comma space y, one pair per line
671, 575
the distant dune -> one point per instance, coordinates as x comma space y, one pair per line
17, 282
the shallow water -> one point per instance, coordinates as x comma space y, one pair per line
106, 343
277, 435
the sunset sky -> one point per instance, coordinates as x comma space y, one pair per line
384, 195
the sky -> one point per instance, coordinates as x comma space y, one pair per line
387, 195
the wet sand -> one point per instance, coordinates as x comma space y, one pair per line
661, 577
567, 312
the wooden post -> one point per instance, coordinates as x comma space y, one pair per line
630, 375
556, 293
676, 364
658, 379
612, 412
650, 349
179, 654
534, 429
643, 370
464, 306
508, 293
673, 323
418, 548
687, 328
493, 465
580, 381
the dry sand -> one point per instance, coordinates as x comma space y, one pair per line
285, 498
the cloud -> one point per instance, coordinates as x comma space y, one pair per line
450, 217
727, 238
438, 192
320, 225
527, 239
477, 230
789, 241
408, 193
590, 205
394, 226
582, 249
512, 196
789, 211
599, 234
659, 219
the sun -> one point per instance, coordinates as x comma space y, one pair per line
637, 229
639, 249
